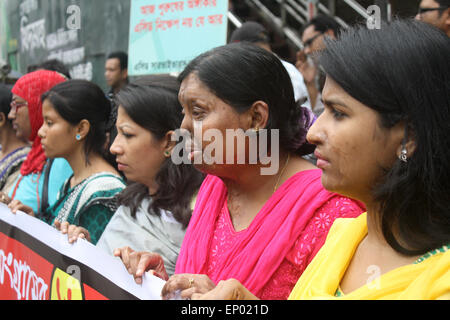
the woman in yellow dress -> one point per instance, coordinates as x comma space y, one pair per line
383, 140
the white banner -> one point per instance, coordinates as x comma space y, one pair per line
38, 263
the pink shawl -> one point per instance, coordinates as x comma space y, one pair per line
269, 237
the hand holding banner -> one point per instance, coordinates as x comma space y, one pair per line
38, 263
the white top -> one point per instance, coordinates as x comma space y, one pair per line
147, 232
298, 84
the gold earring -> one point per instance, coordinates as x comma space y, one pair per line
255, 130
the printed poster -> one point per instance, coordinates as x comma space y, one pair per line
166, 35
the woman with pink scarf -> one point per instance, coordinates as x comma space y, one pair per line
260, 222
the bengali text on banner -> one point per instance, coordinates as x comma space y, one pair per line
38, 263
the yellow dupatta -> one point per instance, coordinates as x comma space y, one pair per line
427, 279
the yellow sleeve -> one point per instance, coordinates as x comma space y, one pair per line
445, 296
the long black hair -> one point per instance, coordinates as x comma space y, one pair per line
5, 101
402, 71
153, 104
241, 74
77, 100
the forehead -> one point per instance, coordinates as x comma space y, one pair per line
125, 122
122, 115
49, 111
47, 105
332, 90
309, 33
192, 87
113, 63
429, 4
123, 119
15, 97
333, 93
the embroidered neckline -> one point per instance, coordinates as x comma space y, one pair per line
431, 253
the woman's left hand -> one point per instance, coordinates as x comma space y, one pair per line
186, 285
4, 198
73, 232
16, 205
227, 290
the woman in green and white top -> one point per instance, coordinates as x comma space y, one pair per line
90, 204
76, 127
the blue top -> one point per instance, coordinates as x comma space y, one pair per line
26, 192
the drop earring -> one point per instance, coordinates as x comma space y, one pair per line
404, 155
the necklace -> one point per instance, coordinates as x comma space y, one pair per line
282, 171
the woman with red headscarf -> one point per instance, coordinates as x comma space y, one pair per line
39, 180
